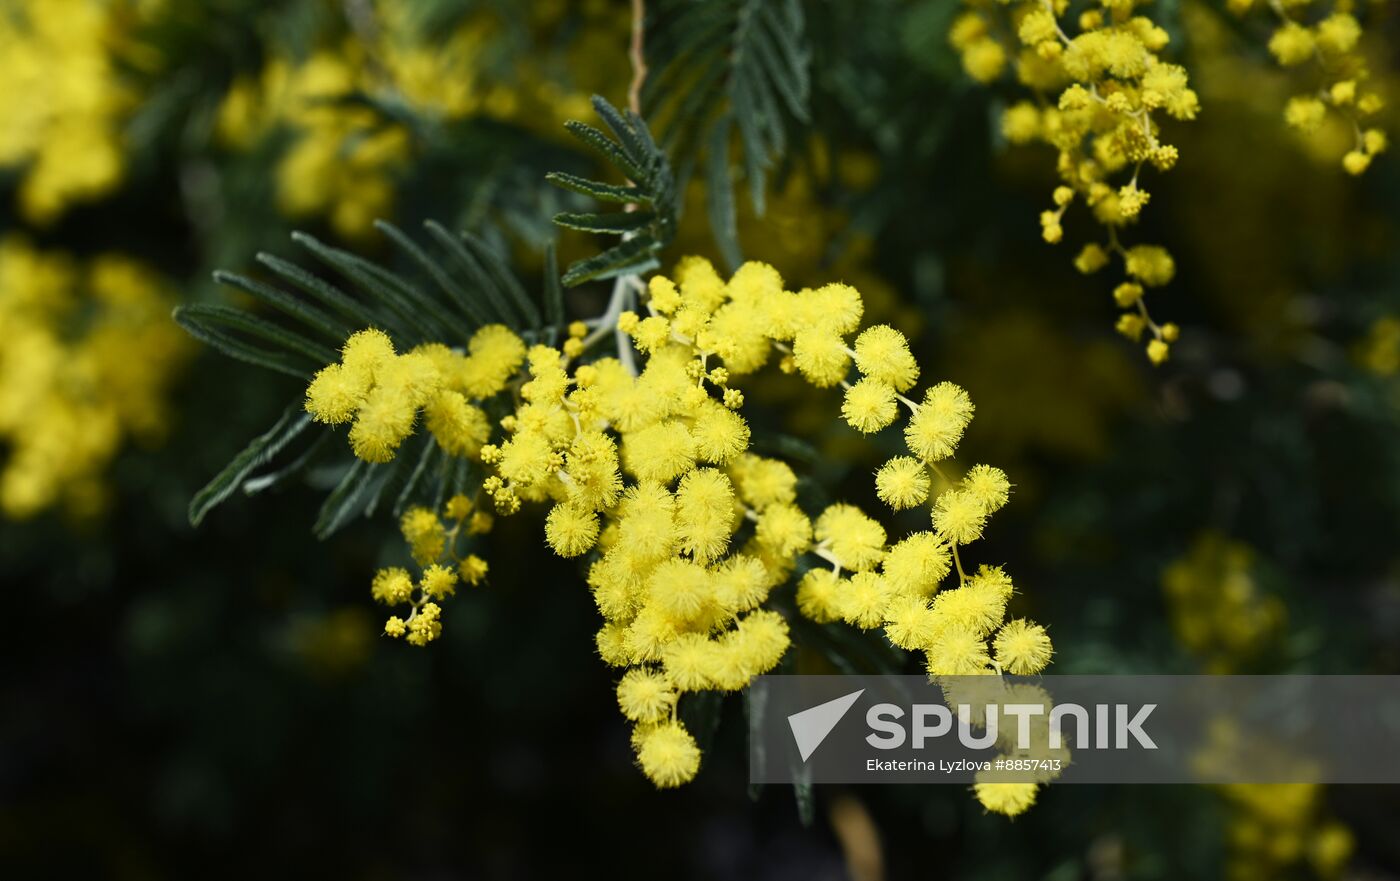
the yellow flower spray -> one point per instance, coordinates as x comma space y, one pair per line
645, 463
1223, 616
1099, 99
1327, 37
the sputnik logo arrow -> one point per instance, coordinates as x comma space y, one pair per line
811, 726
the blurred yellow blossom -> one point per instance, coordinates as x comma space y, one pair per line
62, 101
1219, 611
1326, 35
89, 354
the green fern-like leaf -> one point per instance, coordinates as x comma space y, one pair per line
724, 70
455, 285
646, 229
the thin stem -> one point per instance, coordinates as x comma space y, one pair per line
607, 322
638, 56
624, 342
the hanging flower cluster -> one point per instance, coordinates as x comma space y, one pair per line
1326, 36
1099, 99
645, 463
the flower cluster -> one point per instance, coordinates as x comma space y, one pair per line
1378, 351
89, 355
1280, 829
381, 392
342, 158
1219, 611
345, 156
62, 100
1100, 98
1326, 36
1224, 617
434, 547
645, 463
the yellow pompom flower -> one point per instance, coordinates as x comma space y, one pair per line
473, 570
1151, 265
989, 486
959, 516
425, 625
382, 423
821, 356
993, 579
336, 394
661, 452
1022, 648
902, 483
837, 307
937, 426
1305, 113
719, 434
784, 530
1021, 123
1157, 351
1292, 44
366, 351
645, 696
977, 607
665, 298
495, 353
458, 427
882, 353
984, 60
755, 645
611, 642
1338, 33
705, 513
910, 623
438, 582
526, 459
667, 754
763, 482
869, 406
741, 583
958, 652
392, 586
916, 564
818, 595
570, 529
1091, 259
424, 533
864, 599
681, 590
690, 660
1010, 799
855, 539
